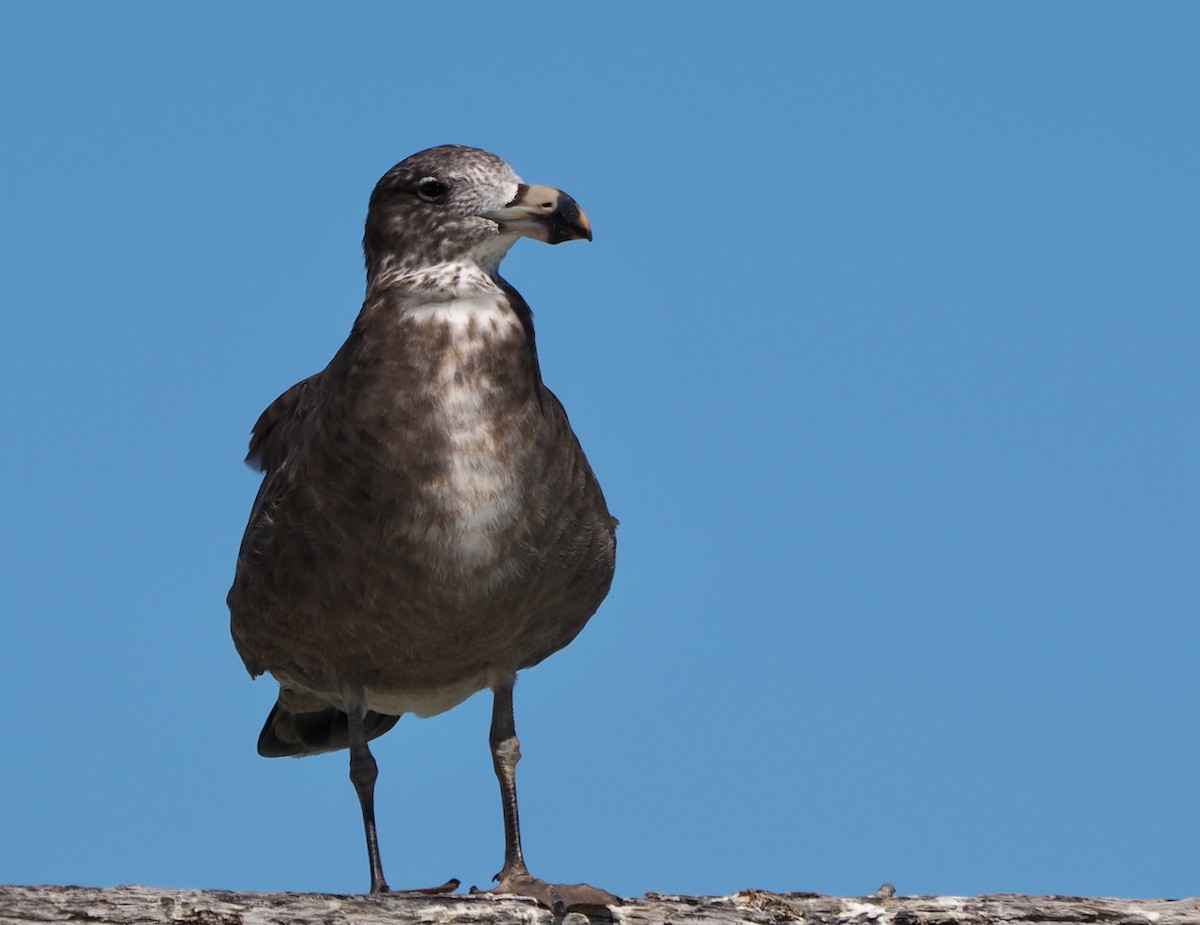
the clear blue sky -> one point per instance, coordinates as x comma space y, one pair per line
887, 353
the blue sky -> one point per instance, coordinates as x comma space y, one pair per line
885, 352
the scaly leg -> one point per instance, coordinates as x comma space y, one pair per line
363, 773
515, 876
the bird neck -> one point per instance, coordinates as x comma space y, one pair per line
442, 282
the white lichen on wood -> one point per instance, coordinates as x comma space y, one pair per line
138, 905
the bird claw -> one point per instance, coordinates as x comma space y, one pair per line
448, 887
559, 898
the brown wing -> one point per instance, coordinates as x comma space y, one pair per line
277, 428
277, 433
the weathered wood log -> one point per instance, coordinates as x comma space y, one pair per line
139, 905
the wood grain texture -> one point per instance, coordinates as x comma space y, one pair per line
139, 905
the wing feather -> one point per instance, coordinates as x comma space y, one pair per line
281, 425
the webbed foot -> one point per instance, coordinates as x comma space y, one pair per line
559, 898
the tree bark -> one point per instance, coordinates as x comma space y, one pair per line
139, 905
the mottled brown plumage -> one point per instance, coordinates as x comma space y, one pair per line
427, 524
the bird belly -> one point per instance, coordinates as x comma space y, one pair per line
428, 702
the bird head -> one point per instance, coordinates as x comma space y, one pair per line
453, 205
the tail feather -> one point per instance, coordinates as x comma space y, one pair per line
288, 734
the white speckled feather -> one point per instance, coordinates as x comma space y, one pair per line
479, 491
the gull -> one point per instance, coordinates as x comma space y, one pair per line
427, 524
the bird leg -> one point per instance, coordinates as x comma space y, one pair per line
506, 752
515, 876
363, 772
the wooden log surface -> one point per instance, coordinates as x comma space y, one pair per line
140, 905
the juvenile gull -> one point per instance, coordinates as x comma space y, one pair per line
427, 524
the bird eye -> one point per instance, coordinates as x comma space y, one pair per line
431, 190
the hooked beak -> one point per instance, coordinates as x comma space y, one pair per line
543, 213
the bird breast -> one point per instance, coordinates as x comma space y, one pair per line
479, 403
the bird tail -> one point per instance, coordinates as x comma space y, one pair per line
288, 734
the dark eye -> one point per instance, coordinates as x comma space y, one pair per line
431, 190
